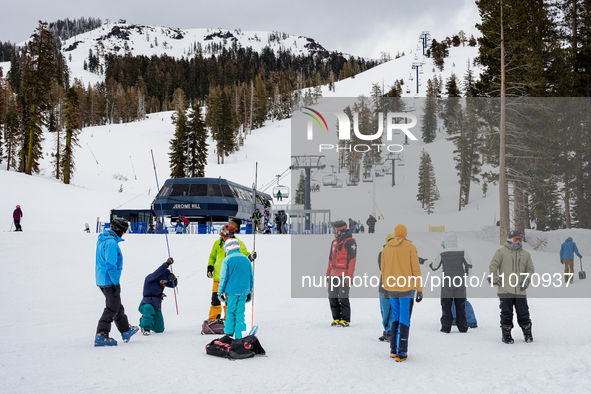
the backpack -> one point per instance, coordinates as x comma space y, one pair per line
236, 349
212, 327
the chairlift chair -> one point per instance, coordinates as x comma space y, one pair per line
367, 177
352, 182
283, 189
338, 185
329, 180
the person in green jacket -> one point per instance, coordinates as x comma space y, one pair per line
214, 266
508, 269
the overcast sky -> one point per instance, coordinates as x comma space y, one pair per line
362, 27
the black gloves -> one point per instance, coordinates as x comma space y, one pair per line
561, 261
248, 297
172, 278
253, 255
210, 271
168, 262
525, 285
422, 261
419, 297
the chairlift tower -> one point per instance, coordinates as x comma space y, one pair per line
393, 157
307, 163
411, 109
425, 38
415, 66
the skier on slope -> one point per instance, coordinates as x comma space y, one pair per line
508, 261
214, 266
17, 216
153, 294
109, 264
235, 288
339, 274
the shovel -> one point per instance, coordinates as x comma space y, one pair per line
582, 274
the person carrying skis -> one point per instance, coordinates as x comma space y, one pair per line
401, 276
567, 256
508, 261
17, 216
214, 266
339, 274
456, 263
108, 267
385, 307
153, 294
235, 289
371, 224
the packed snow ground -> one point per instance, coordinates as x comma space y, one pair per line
50, 304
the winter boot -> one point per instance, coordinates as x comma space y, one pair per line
445, 331
128, 334
344, 323
102, 339
506, 329
393, 353
527, 332
385, 337
336, 323
145, 332
401, 356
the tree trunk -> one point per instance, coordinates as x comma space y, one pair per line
503, 195
567, 204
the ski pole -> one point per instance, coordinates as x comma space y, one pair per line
254, 238
11, 223
165, 230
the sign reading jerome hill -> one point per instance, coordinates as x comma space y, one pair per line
186, 206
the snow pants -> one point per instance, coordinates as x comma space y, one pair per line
386, 310
569, 267
17, 225
521, 310
401, 313
151, 319
234, 324
453, 296
470, 315
215, 312
338, 298
113, 310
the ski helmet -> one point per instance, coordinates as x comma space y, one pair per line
231, 244
514, 234
339, 225
119, 226
227, 230
18, 206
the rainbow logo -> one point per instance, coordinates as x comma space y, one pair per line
315, 118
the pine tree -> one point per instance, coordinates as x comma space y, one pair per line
197, 142
73, 128
429, 117
300, 196
428, 192
178, 145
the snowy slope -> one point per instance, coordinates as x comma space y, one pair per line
50, 304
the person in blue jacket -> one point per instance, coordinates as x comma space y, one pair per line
235, 288
109, 264
153, 294
567, 256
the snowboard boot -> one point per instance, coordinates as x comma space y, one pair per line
145, 332
401, 356
445, 331
336, 323
128, 334
344, 323
102, 339
506, 330
526, 328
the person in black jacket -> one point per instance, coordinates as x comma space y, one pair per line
456, 263
151, 305
371, 224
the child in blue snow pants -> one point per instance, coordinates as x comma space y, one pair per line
234, 324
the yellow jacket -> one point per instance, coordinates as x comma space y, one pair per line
400, 266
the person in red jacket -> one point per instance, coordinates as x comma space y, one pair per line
339, 274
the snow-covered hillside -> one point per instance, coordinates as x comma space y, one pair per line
50, 304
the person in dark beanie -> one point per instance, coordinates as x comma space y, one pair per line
153, 294
510, 261
371, 224
339, 274
17, 216
109, 264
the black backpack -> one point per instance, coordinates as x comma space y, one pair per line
242, 348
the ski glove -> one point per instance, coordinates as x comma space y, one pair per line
252, 256
248, 297
210, 271
169, 262
561, 261
525, 285
419, 297
222, 297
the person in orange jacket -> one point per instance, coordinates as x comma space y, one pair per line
401, 276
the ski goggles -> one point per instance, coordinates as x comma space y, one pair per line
516, 240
